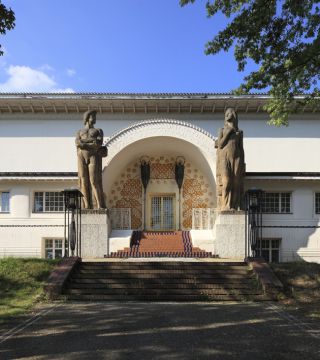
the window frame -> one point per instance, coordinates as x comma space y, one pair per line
1, 199
45, 210
53, 239
280, 193
270, 248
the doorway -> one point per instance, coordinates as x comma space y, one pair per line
162, 212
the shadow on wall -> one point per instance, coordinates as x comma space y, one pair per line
297, 242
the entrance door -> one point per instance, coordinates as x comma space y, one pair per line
162, 213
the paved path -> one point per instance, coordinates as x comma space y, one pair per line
116, 331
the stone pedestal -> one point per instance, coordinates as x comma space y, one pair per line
230, 234
94, 233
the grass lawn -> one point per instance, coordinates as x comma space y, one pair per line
301, 282
21, 284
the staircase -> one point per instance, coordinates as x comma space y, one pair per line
161, 244
163, 281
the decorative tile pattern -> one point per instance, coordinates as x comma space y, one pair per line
127, 192
162, 171
196, 193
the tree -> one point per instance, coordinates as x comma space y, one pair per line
7, 20
282, 38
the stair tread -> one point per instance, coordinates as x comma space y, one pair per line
164, 263
165, 298
155, 243
165, 280
165, 271
162, 281
144, 285
160, 291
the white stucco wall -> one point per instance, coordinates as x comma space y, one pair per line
45, 142
22, 232
295, 238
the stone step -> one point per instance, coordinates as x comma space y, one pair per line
181, 254
189, 272
161, 244
163, 282
174, 298
161, 292
144, 285
165, 275
163, 265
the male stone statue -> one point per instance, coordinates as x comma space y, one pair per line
230, 164
90, 152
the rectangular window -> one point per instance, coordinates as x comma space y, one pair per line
317, 203
276, 203
270, 249
53, 249
48, 201
4, 201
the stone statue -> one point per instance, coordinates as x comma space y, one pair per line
230, 164
90, 151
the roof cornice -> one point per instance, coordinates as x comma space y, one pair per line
133, 102
128, 95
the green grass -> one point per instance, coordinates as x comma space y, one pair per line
21, 284
301, 282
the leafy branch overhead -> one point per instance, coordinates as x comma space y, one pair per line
282, 38
7, 20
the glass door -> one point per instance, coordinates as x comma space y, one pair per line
162, 213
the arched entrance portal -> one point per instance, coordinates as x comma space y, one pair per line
162, 141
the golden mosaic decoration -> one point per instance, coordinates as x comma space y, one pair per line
126, 192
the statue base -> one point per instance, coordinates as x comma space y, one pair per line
230, 229
94, 233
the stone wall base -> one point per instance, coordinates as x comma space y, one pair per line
230, 228
94, 233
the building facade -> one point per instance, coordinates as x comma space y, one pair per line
39, 160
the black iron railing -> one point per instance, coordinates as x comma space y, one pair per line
253, 207
72, 222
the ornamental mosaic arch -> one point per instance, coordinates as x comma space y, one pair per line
126, 191
200, 138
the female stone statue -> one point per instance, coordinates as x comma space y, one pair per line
230, 163
90, 153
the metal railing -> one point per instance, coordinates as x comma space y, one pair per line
120, 218
253, 206
203, 218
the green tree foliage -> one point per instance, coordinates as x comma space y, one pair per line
282, 37
7, 19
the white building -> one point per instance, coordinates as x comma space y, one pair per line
39, 160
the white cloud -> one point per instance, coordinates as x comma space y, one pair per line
46, 67
71, 72
26, 79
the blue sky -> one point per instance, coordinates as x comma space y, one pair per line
113, 46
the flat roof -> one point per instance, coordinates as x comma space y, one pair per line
134, 102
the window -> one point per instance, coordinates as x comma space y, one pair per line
53, 249
276, 203
4, 202
48, 201
270, 249
317, 203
